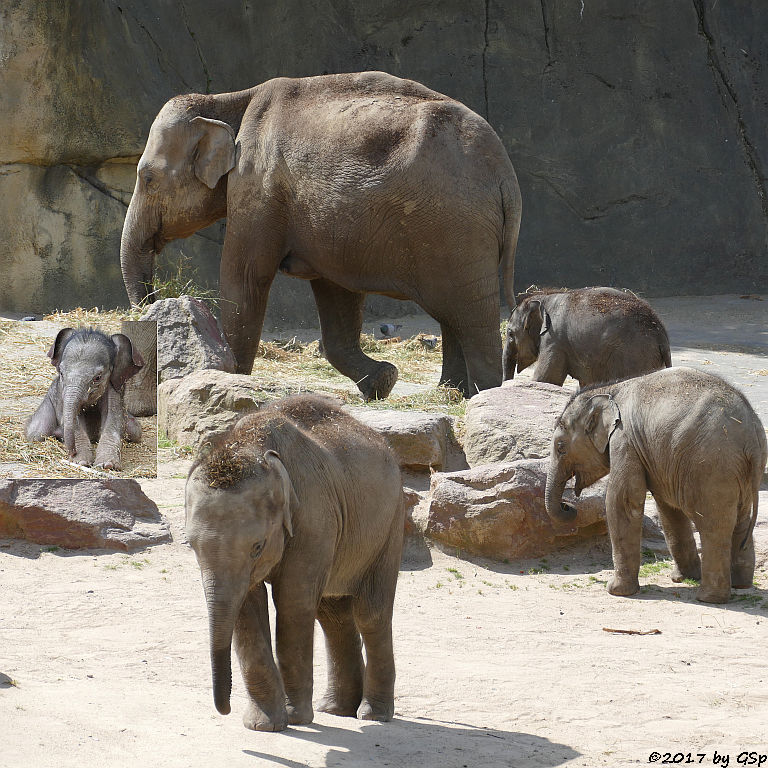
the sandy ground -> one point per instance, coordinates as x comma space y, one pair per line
498, 664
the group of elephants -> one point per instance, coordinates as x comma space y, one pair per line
365, 183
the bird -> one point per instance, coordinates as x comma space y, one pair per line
389, 329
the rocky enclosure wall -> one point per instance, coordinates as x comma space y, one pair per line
637, 129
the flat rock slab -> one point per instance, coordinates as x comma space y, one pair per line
512, 422
109, 514
203, 403
420, 440
497, 511
188, 338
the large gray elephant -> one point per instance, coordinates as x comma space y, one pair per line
85, 400
303, 496
592, 334
360, 183
690, 439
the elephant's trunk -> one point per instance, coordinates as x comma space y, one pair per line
73, 398
221, 624
557, 509
137, 255
509, 359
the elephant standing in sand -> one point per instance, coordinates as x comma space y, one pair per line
690, 439
359, 183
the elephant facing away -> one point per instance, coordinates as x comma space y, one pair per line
85, 400
360, 183
690, 439
592, 334
306, 498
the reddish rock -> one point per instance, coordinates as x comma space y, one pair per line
497, 511
110, 514
515, 421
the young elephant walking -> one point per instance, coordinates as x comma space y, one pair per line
85, 401
591, 334
690, 439
303, 496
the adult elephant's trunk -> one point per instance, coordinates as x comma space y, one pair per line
137, 253
221, 624
557, 509
73, 399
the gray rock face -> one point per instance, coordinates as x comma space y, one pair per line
515, 421
678, 89
110, 514
497, 511
188, 338
420, 440
203, 404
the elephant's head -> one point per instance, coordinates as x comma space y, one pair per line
528, 322
580, 448
180, 188
88, 362
239, 508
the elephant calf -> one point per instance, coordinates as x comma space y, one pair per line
303, 496
591, 334
690, 439
85, 401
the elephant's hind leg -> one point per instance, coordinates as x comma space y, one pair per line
716, 527
345, 658
743, 559
678, 533
341, 320
43, 422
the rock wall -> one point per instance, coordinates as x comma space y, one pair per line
637, 130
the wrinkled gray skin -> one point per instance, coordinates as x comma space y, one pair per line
320, 518
359, 183
590, 334
85, 401
690, 439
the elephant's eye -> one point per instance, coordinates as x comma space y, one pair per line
561, 447
256, 549
97, 379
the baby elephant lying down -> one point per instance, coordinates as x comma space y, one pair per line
85, 401
690, 439
303, 496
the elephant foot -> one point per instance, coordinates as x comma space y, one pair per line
257, 720
742, 578
84, 459
108, 464
376, 710
334, 705
680, 574
713, 594
378, 384
300, 715
623, 587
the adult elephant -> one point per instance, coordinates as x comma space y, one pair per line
360, 183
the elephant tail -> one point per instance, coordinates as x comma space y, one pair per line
511, 208
758, 461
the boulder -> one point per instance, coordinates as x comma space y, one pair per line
110, 514
420, 440
511, 422
188, 338
204, 403
497, 511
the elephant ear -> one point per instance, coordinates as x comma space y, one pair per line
215, 151
57, 348
291, 502
128, 361
602, 418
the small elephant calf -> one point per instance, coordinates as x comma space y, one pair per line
303, 496
85, 401
591, 334
690, 439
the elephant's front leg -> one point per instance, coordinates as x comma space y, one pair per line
624, 504
296, 610
249, 264
454, 373
341, 320
111, 431
253, 645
